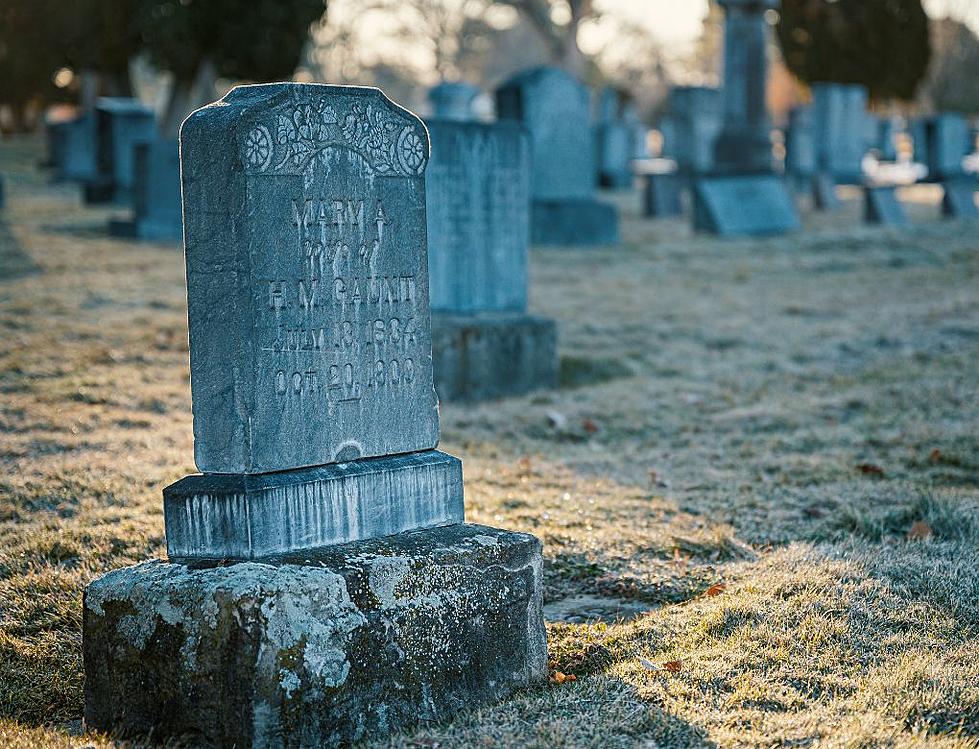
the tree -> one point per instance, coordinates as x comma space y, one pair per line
952, 84
28, 58
198, 41
558, 22
881, 44
99, 38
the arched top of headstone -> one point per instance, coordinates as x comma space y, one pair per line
282, 127
535, 75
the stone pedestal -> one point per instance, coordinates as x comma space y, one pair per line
959, 199
661, 196
750, 205
573, 223
317, 649
492, 355
882, 207
156, 194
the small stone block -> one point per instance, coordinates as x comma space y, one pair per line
242, 516
573, 223
749, 205
881, 206
661, 198
315, 650
493, 355
959, 200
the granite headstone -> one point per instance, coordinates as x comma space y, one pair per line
959, 197
839, 123
948, 145
662, 195
800, 148
120, 125
485, 345
155, 194
745, 205
882, 207
322, 586
614, 140
695, 114
554, 107
824, 196
453, 100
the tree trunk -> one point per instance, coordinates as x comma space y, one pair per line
186, 95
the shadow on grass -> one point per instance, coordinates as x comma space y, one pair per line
15, 261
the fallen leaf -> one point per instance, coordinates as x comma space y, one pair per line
870, 469
715, 590
673, 666
920, 530
589, 426
936, 455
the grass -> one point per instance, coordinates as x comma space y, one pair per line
794, 418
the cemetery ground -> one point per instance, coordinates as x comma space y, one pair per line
757, 486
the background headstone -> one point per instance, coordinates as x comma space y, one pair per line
882, 207
695, 114
800, 148
478, 195
554, 107
839, 122
615, 140
948, 144
888, 129
747, 205
959, 198
155, 194
453, 100
120, 125
824, 193
662, 195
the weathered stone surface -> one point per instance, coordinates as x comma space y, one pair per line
743, 145
120, 124
662, 196
753, 205
453, 100
241, 516
554, 107
573, 223
307, 275
478, 196
155, 194
881, 206
839, 123
318, 649
493, 355
959, 199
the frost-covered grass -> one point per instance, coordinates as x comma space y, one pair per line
773, 415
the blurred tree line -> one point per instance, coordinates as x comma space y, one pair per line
54, 51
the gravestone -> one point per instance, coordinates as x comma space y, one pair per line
918, 130
959, 198
824, 193
839, 123
453, 100
156, 194
662, 194
743, 205
742, 194
882, 207
888, 129
614, 140
695, 114
948, 144
800, 148
321, 586
554, 107
72, 144
484, 343
744, 145
120, 124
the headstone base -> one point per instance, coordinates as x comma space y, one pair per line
318, 649
744, 205
661, 197
152, 231
824, 193
573, 223
232, 516
492, 355
882, 207
959, 200
100, 191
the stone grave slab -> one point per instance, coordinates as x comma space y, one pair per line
839, 113
824, 196
948, 145
120, 124
156, 194
695, 116
315, 424
744, 205
73, 149
484, 344
554, 107
959, 198
453, 100
662, 195
882, 207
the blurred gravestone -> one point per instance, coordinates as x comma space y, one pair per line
695, 121
947, 137
72, 148
888, 129
839, 123
155, 194
485, 345
120, 124
882, 207
554, 107
614, 139
453, 100
314, 408
661, 194
959, 198
824, 192
743, 195
800, 151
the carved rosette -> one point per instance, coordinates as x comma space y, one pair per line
297, 133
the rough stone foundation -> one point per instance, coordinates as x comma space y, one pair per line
316, 649
492, 355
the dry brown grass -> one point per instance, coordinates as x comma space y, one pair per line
719, 401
